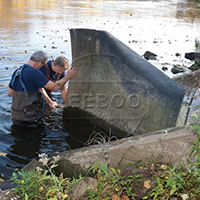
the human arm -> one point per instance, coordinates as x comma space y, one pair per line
10, 92
59, 84
64, 92
51, 103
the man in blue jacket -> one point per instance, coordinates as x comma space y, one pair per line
25, 88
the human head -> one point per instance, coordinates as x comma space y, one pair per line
62, 63
39, 56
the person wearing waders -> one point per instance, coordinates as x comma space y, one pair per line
54, 70
25, 89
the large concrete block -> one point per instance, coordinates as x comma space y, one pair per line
166, 146
118, 89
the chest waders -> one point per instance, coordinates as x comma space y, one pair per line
26, 106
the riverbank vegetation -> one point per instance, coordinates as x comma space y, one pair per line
148, 179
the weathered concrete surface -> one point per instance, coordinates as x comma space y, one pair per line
185, 111
190, 79
194, 107
119, 87
169, 145
191, 99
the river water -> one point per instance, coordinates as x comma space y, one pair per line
162, 27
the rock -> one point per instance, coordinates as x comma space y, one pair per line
164, 68
177, 54
32, 165
192, 55
70, 166
176, 70
149, 55
78, 190
9, 195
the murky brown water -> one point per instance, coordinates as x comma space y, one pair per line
163, 27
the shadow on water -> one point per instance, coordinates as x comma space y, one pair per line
81, 134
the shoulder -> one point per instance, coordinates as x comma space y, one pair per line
32, 73
38, 77
43, 69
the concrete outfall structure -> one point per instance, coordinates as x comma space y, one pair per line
160, 111
117, 89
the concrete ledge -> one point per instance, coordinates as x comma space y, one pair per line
190, 79
169, 145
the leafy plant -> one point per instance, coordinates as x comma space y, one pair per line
27, 184
112, 182
181, 181
195, 150
43, 183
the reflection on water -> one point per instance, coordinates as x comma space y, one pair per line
163, 27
